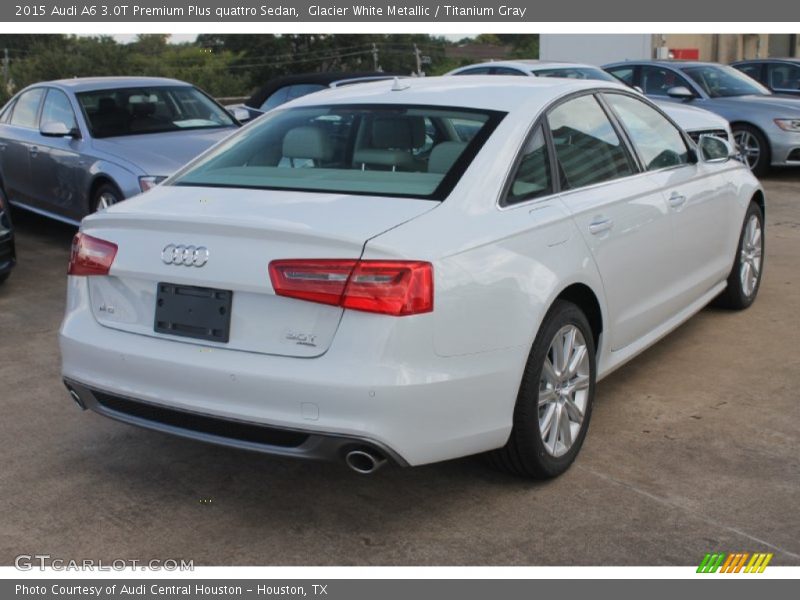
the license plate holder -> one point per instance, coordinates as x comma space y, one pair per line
194, 312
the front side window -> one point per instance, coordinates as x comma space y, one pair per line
659, 143
58, 109
587, 147
783, 76
382, 150
134, 111
657, 81
26, 109
507, 71
532, 177
751, 70
724, 82
475, 71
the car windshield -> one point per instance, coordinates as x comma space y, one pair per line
723, 82
138, 110
383, 150
577, 73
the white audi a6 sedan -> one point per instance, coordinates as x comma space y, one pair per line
409, 272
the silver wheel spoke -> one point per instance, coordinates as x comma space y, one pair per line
575, 413
547, 396
564, 390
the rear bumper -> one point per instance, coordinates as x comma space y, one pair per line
374, 385
225, 432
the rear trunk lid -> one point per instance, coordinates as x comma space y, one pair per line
242, 230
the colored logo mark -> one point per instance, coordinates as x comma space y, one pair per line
737, 562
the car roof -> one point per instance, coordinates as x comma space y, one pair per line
326, 79
674, 63
488, 92
88, 84
529, 64
788, 59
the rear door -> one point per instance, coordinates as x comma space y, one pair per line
624, 221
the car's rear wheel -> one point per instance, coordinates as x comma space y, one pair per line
745, 276
106, 195
555, 399
753, 147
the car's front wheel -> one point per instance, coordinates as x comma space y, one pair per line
555, 399
745, 276
106, 195
753, 147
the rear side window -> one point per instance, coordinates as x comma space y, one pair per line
659, 143
381, 150
752, 69
588, 149
624, 74
26, 109
532, 178
475, 71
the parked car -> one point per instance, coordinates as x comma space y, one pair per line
348, 289
280, 90
766, 127
695, 121
8, 255
71, 147
779, 75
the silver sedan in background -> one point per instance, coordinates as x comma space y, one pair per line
71, 147
766, 126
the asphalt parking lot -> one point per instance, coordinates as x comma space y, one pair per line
693, 447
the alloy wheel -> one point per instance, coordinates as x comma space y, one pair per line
749, 147
105, 200
563, 390
750, 256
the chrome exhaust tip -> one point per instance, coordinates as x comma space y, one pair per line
76, 397
364, 461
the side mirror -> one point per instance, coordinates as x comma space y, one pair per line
240, 114
714, 149
681, 92
57, 129
639, 89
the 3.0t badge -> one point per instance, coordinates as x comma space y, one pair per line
188, 256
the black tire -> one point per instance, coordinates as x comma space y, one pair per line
761, 166
3, 277
525, 453
106, 191
735, 296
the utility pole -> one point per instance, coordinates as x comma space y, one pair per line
375, 65
418, 58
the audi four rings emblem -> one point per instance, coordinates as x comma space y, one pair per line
188, 256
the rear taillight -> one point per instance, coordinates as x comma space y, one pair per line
90, 255
391, 287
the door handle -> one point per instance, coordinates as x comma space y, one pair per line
599, 225
676, 200
34, 150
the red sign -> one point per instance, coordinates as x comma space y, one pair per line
685, 53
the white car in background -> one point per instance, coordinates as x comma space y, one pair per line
409, 272
695, 121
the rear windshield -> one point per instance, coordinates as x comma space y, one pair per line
382, 150
134, 111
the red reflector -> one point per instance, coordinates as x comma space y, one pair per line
392, 287
90, 255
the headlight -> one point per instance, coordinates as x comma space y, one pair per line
150, 181
788, 124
